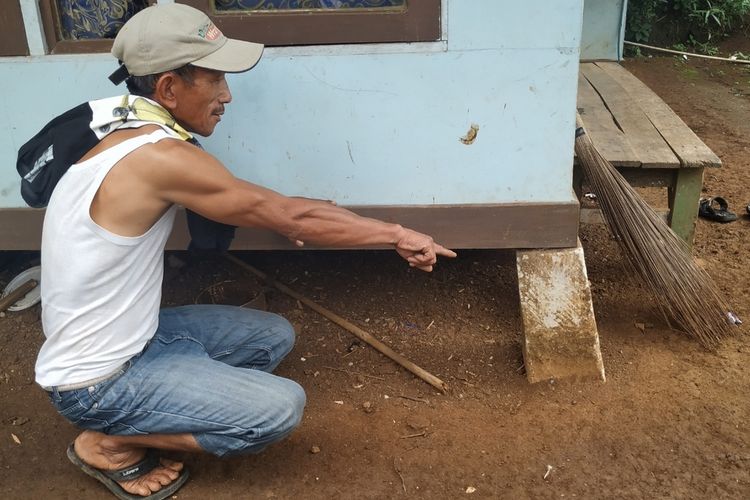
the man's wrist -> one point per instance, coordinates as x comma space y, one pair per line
398, 234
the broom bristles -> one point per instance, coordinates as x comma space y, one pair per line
684, 292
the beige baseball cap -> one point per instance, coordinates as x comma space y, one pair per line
168, 36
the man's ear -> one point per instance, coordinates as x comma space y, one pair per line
164, 90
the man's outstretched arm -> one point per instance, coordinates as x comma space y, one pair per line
192, 178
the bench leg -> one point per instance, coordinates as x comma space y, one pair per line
684, 194
559, 328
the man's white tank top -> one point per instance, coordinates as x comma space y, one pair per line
101, 292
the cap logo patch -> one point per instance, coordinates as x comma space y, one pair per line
209, 31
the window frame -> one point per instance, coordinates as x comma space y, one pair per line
56, 44
419, 22
13, 36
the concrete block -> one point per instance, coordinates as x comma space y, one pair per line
560, 335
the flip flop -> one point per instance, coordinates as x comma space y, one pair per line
109, 478
716, 209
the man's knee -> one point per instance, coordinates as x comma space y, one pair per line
290, 406
283, 333
282, 415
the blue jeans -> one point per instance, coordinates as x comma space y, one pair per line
205, 372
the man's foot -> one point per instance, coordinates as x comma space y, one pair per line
102, 453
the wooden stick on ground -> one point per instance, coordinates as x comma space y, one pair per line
17, 294
351, 328
353, 373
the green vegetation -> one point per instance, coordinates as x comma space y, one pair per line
695, 23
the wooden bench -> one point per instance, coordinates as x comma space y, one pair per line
649, 144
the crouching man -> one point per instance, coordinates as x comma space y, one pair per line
135, 378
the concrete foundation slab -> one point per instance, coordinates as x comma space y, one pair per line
560, 335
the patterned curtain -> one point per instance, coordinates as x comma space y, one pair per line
86, 19
304, 4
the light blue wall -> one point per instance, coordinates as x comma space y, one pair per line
603, 30
372, 125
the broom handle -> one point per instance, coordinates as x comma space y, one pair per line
355, 330
579, 124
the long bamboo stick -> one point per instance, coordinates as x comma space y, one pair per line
343, 323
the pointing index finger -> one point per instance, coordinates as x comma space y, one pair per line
445, 252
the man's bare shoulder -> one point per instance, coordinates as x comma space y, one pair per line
173, 168
173, 154
169, 147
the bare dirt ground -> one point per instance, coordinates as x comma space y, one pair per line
670, 422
